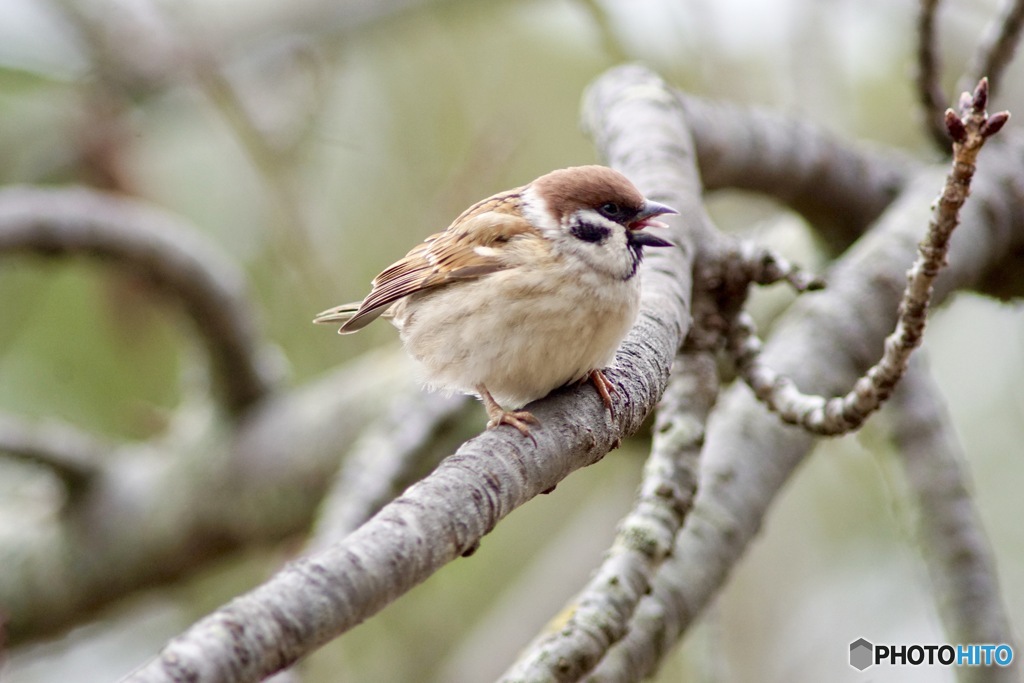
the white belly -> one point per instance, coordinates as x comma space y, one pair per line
517, 333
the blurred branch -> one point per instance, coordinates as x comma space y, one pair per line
996, 49
930, 94
600, 614
438, 519
156, 511
949, 528
128, 53
391, 454
280, 461
73, 456
166, 252
837, 186
275, 164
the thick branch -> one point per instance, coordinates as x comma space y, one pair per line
711, 136
837, 186
164, 251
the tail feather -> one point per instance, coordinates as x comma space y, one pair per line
349, 316
338, 314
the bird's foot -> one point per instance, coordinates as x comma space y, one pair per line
604, 388
520, 419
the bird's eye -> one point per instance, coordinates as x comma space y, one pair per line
610, 209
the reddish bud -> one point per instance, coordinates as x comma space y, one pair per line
955, 127
981, 95
994, 123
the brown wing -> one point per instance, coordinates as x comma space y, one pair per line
470, 248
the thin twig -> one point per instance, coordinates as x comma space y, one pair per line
600, 614
969, 130
953, 541
996, 49
928, 77
164, 251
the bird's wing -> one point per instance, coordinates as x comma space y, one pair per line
470, 248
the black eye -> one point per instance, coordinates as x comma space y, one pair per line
610, 210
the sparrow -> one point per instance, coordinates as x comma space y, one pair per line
526, 291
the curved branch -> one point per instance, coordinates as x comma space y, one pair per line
318, 597
73, 456
166, 252
319, 430
840, 188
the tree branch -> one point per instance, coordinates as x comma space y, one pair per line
164, 251
710, 123
390, 455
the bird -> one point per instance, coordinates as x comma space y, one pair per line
529, 290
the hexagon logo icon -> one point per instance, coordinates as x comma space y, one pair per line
861, 654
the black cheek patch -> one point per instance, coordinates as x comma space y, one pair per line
588, 232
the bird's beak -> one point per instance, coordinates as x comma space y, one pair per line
646, 219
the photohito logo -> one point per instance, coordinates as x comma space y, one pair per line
864, 654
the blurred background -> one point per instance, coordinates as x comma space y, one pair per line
316, 141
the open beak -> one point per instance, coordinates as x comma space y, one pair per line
646, 219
